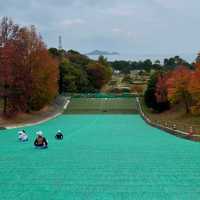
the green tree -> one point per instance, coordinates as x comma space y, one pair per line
98, 74
72, 77
127, 79
77, 58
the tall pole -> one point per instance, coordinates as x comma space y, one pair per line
60, 43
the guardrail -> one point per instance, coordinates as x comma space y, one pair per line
184, 131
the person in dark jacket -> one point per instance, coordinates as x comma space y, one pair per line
40, 141
59, 135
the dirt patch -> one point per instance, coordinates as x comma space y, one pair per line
175, 116
33, 117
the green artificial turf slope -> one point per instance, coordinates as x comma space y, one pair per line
102, 157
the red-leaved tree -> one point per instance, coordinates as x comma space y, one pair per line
8, 34
28, 74
194, 88
161, 88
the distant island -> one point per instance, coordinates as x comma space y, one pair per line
102, 53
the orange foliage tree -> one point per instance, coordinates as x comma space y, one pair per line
138, 88
42, 69
28, 74
178, 87
45, 80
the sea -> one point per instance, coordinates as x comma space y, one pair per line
141, 57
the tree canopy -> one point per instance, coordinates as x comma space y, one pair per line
28, 74
78, 73
148, 65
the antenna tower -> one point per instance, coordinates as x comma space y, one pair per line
60, 43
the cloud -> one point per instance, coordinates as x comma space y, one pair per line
118, 11
116, 30
72, 22
124, 33
134, 25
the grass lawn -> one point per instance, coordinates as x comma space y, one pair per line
102, 105
175, 115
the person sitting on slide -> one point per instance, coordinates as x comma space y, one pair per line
22, 136
59, 135
40, 141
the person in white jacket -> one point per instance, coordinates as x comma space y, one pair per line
22, 136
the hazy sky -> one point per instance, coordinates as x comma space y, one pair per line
134, 26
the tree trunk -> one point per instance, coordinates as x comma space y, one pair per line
5, 102
187, 108
186, 102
